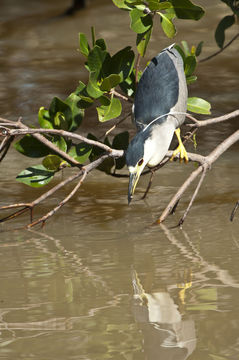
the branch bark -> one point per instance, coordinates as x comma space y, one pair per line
198, 124
21, 129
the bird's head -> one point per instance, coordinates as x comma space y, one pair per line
138, 154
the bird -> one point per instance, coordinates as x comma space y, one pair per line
158, 111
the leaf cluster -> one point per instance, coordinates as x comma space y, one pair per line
142, 14
106, 72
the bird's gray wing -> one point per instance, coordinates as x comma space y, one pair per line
158, 89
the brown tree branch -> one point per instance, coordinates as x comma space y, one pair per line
23, 130
181, 221
208, 161
10, 129
197, 123
5, 145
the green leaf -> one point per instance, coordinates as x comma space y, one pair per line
35, 176
185, 9
142, 41
190, 65
122, 62
155, 5
140, 22
93, 88
80, 88
101, 43
198, 106
44, 118
191, 79
128, 86
199, 48
52, 162
104, 100
223, 25
85, 100
96, 59
60, 113
110, 82
186, 50
121, 4
73, 101
167, 25
60, 142
80, 152
181, 52
84, 46
112, 111
121, 141
30, 146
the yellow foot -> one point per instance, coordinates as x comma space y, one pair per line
180, 149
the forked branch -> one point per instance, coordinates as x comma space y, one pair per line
208, 161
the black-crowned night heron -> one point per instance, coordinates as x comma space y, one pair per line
159, 110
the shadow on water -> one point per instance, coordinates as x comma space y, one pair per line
99, 281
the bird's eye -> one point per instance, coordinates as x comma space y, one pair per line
140, 162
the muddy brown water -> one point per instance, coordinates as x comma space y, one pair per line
67, 291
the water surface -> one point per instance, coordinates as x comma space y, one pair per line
99, 281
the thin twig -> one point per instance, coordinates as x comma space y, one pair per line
5, 145
234, 211
149, 184
27, 206
116, 93
118, 123
21, 129
181, 221
44, 218
213, 121
221, 50
67, 134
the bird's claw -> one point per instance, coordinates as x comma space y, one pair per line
183, 154
180, 149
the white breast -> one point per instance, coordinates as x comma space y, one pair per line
158, 144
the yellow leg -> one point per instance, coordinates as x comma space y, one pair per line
138, 288
185, 285
180, 149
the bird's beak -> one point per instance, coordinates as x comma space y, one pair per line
133, 180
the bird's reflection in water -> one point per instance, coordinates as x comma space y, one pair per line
166, 334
